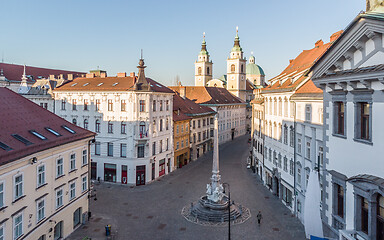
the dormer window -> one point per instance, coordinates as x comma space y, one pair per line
100, 84
53, 132
21, 139
68, 129
38, 135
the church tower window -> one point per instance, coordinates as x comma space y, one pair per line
207, 70
233, 68
199, 71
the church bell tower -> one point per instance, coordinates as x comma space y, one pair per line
203, 66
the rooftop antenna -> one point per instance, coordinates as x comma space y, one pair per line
141, 56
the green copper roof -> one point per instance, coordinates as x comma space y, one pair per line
236, 45
254, 69
203, 48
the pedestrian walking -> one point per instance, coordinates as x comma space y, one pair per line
259, 217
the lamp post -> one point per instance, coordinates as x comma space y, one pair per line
229, 210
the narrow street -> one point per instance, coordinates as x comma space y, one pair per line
154, 211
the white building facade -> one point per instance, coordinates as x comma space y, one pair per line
351, 75
132, 117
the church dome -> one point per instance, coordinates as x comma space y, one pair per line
253, 68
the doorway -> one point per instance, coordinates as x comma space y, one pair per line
109, 172
124, 174
140, 175
233, 134
58, 231
153, 171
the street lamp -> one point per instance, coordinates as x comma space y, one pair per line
229, 210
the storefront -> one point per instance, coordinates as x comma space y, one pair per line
109, 172
161, 167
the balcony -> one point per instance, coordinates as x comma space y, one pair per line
351, 235
141, 136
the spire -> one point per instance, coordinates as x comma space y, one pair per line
236, 45
251, 58
24, 88
203, 46
142, 83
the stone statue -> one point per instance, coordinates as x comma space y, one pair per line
375, 6
209, 189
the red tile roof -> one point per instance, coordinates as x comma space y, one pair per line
19, 116
14, 72
109, 84
189, 107
297, 69
208, 95
309, 87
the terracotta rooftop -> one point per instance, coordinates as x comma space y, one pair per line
109, 84
308, 90
208, 95
19, 117
14, 72
189, 107
293, 75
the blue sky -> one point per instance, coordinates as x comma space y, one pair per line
81, 35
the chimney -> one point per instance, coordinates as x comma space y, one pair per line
319, 43
182, 92
335, 36
90, 75
132, 74
122, 74
291, 60
103, 74
70, 76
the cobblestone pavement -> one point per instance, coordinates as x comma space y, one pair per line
153, 211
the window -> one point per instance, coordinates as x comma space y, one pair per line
74, 104
285, 134
291, 167
207, 70
292, 109
17, 225
154, 105
193, 124
110, 149
97, 104
110, 127
76, 217
177, 129
110, 105
299, 175
182, 128
154, 148
154, 126
177, 145
84, 183
182, 144
40, 175
363, 121
364, 215
270, 155
86, 123
59, 197
298, 145
275, 107
86, 104
85, 157
72, 162
59, 167
123, 106
199, 137
339, 200
232, 68
291, 137
140, 151
285, 164
279, 160
242, 68
308, 110
167, 144
161, 105
285, 107
161, 125
40, 210
1, 196
1, 232
63, 103
97, 148
72, 191
74, 121
142, 105
199, 123
97, 125
123, 128
199, 71
280, 107
123, 150
321, 156
308, 152
161, 146
339, 118
380, 217
166, 124
167, 104
18, 186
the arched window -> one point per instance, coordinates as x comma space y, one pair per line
161, 125
207, 70
275, 130
74, 121
270, 106
166, 124
199, 71
242, 68
280, 107
97, 126
233, 68
380, 217
270, 130
285, 134
279, 132
285, 107
123, 128
291, 137
110, 127
86, 123
275, 107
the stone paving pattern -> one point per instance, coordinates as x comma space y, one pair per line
153, 211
